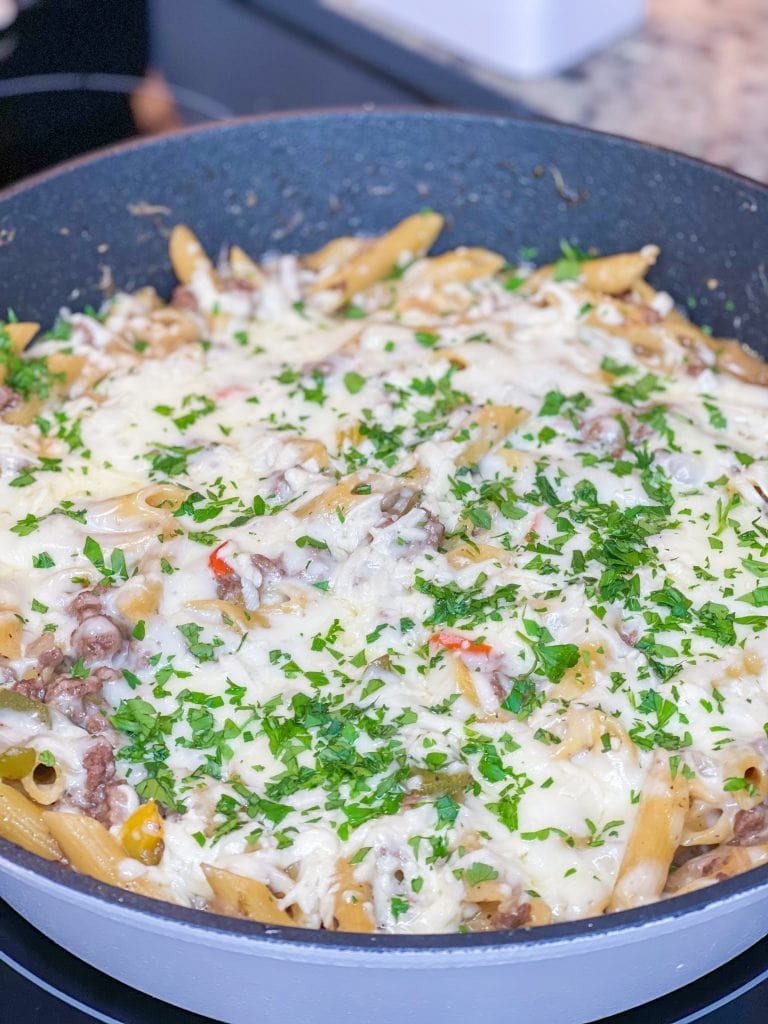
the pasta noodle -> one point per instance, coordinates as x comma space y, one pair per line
187, 255
459, 265
342, 496
22, 822
337, 251
719, 864
487, 428
94, 851
408, 240
351, 908
10, 633
20, 334
244, 268
45, 784
655, 836
239, 896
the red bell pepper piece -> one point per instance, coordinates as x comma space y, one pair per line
217, 565
457, 642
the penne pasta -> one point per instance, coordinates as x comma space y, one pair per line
464, 681
615, 275
715, 866
457, 266
472, 554
139, 599
244, 268
238, 896
408, 240
45, 784
20, 334
488, 427
593, 730
68, 366
230, 614
344, 495
707, 824
655, 836
21, 821
334, 253
23, 414
609, 275
309, 449
92, 850
147, 510
10, 633
352, 903
187, 254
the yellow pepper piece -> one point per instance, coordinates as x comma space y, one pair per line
16, 762
142, 835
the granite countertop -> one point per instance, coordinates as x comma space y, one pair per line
694, 78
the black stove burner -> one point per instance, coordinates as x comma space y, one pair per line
42, 984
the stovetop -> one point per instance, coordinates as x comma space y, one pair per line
42, 984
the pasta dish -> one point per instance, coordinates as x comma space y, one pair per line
374, 591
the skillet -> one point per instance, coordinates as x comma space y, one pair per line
291, 183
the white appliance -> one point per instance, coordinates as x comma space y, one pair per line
521, 38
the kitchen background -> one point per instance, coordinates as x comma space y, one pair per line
78, 74
688, 74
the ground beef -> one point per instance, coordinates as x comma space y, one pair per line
33, 688
750, 827
77, 700
493, 917
508, 916
433, 534
66, 686
712, 865
229, 587
271, 569
434, 530
685, 853
604, 432
647, 314
97, 638
120, 802
324, 367
239, 285
629, 636
184, 298
500, 686
694, 367
88, 603
99, 765
279, 486
105, 674
50, 658
396, 503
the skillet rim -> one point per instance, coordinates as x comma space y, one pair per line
203, 921
384, 111
542, 936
